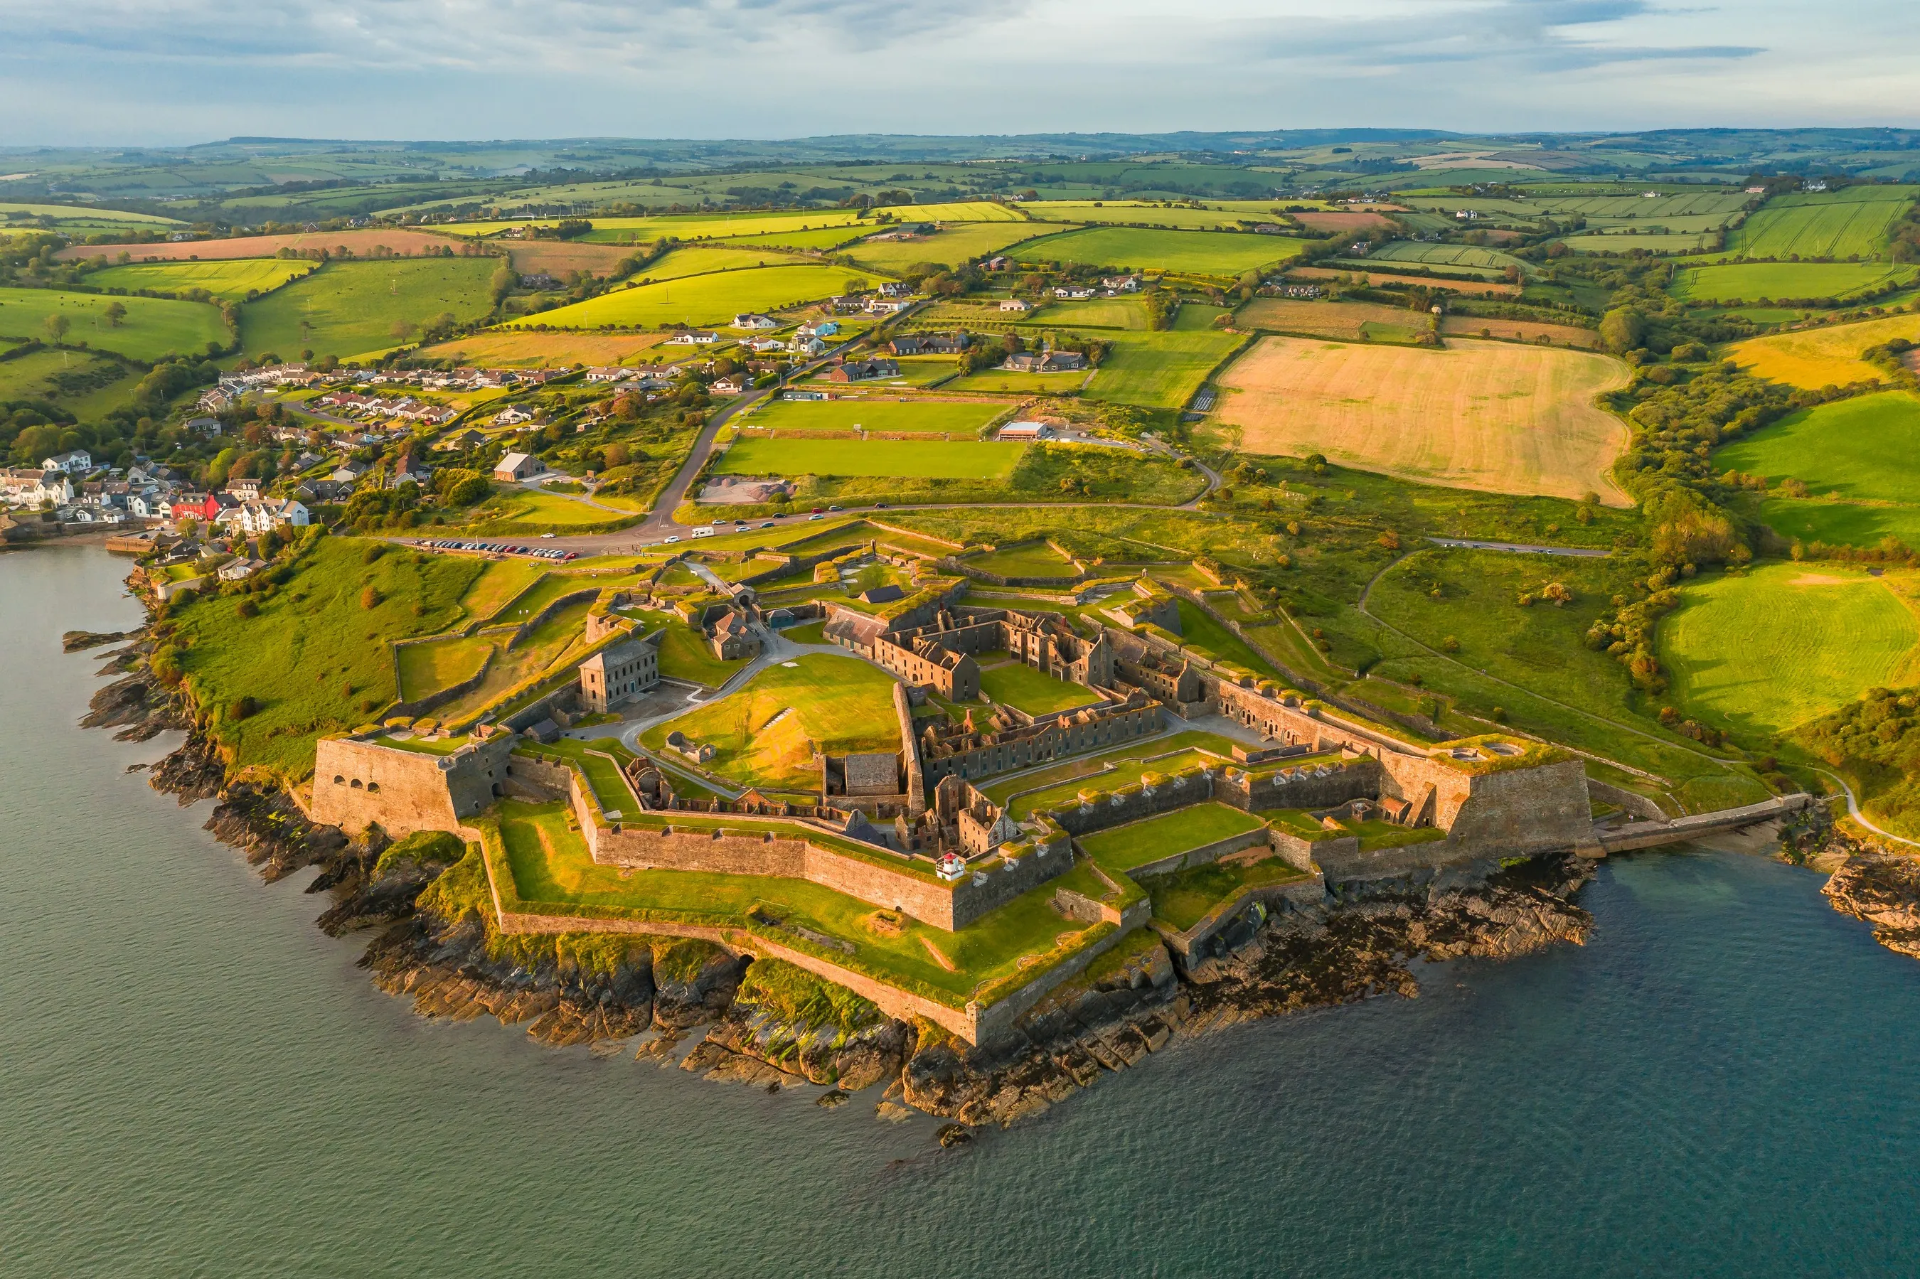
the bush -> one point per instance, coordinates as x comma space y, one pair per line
371, 597
469, 491
243, 707
247, 608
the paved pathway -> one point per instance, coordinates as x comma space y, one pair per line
1853, 811
1522, 548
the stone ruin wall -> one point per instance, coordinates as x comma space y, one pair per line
1109, 728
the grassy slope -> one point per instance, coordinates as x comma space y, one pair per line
153, 327
1860, 449
1786, 643
950, 247
311, 643
353, 307
765, 734
1815, 225
230, 281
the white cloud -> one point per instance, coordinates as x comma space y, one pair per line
184, 70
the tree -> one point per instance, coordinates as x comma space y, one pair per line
57, 326
115, 313
1622, 329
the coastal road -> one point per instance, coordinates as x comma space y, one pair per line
1853, 810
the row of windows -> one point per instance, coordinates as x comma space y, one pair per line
372, 788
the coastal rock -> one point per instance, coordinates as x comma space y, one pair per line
1883, 889
191, 773
273, 834
75, 641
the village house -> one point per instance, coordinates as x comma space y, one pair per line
732, 384
1121, 283
862, 370
930, 343
809, 346
348, 472
886, 306
754, 320
1073, 291
512, 415
32, 488
1015, 304
611, 373
1044, 362
692, 337
466, 439
78, 462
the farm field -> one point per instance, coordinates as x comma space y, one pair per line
951, 246
1014, 683
81, 213
1519, 331
955, 211
557, 257
1139, 213
703, 259
700, 299
1158, 370
1022, 383
1215, 253
962, 417
1825, 356
85, 385
347, 308
1841, 523
1471, 288
1750, 281
1348, 321
514, 348
1345, 223
818, 240
936, 460
1152, 838
1836, 224
153, 327
1786, 643
686, 226
767, 733
1094, 313
1652, 242
231, 281
1492, 416
360, 244
1862, 449
1469, 256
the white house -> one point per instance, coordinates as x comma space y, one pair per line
512, 415
886, 306
754, 320
733, 384
1072, 291
1015, 304
77, 462
1122, 283
692, 337
808, 345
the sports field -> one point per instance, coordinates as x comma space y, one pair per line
513, 348
1750, 281
1789, 642
768, 732
1152, 838
230, 281
1158, 370
347, 308
1824, 356
951, 246
153, 327
960, 417
933, 459
1835, 224
1216, 253
1861, 449
365, 243
701, 299
1482, 415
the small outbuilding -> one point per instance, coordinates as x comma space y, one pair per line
515, 467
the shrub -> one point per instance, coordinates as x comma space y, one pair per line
371, 597
243, 707
247, 608
373, 552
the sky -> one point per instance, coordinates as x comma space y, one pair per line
162, 72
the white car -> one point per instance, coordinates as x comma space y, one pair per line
673, 539
546, 535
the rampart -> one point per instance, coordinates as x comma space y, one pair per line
357, 783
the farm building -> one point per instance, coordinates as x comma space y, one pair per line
515, 467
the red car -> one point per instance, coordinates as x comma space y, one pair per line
819, 510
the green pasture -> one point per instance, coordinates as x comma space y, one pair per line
1097, 313
429, 667
819, 240
1841, 523
960, 417
768, 732
349, 308
1861, 449
549, 863
1020, 383
1785, 643
81, 213
955, 211
1836, 224
1141, 213
1449, 255
543, 652
1016, 684
1749, 281
231, 281
83, 384
1215, 253
316, 657
704, 259
498, 582
951, 246
701, 299
931, 459
1623, 242
152, 327
1149, 839
689, 226
1158, 370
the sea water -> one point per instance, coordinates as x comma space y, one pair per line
195, 1081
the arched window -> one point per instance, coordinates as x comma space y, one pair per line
356, 783
373, 788
338, 780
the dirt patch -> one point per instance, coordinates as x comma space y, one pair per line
939, 957
360, 244
1483, 415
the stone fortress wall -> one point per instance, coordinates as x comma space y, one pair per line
359, 783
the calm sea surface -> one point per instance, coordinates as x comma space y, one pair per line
195, 1081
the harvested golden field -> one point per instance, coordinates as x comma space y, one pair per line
1482, 415
1343, 222
1477, 288
362, 244
1519, 330
1828, 355
516, 348
1325, 319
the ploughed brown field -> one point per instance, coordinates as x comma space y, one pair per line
1341, 221
1483, 415
363, 244
557, 257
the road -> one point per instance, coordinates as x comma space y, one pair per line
1853, 810
1521, 548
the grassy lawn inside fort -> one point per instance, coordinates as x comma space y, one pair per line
1185, 897
1199, 629
1151, 838
684, 652
1014, 683
766, 734
1059, 784
603, 775
1030, 559
551, 868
